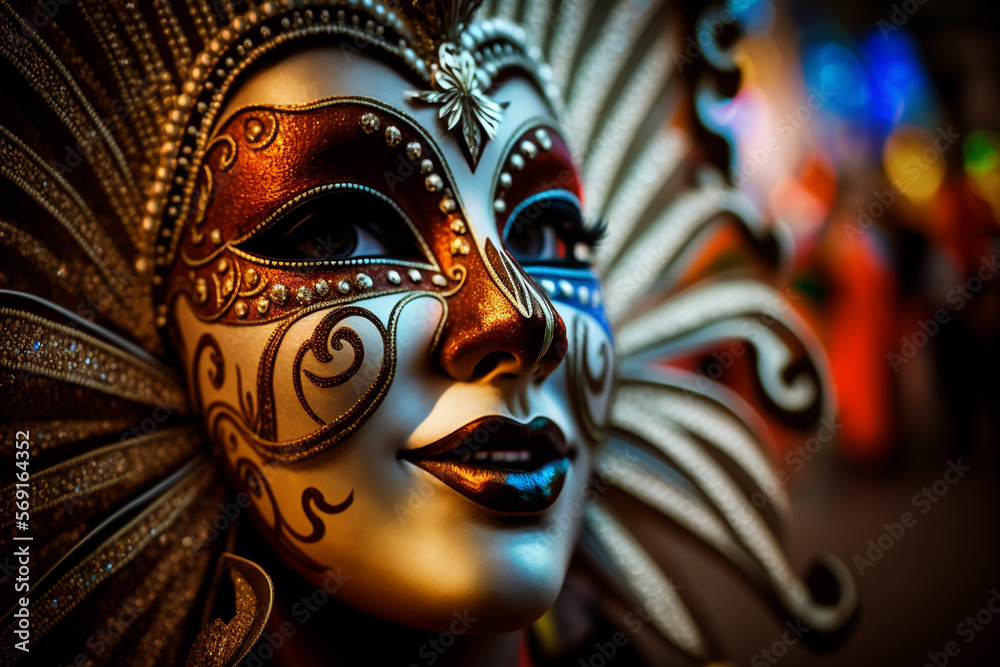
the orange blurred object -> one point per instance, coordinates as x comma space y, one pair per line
861, 323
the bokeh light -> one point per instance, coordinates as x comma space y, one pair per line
913, 163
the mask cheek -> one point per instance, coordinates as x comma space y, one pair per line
589, 370
221, 363
325, 364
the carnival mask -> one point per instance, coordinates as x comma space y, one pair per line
355, 230
399, 349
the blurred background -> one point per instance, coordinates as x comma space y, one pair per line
872, 130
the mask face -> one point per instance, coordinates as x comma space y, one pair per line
401, 360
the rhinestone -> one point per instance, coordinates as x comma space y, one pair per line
499, 205
548, 286
583, 294
393, 136
263, 304
223, 265
344, 287
460, 246
216, 236
414, 150
200, 290
505, 180
542, 137
516, 162
393, 277
439, 280
279, 294
304, 294
415, 275
322, 287
251, 277
447, 205
254, 130
529, 149
433, 183
227, 286
370, 123
566, 287
426, 166
363, 281
241, 309
458, 226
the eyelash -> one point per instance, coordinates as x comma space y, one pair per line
548, 228
591, 235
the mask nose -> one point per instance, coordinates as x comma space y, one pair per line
499, 323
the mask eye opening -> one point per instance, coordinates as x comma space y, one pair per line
548, 228
337, 224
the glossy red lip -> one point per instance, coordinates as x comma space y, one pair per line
500, 463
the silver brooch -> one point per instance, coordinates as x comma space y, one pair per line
459, 89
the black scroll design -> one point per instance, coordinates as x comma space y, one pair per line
262, 437
325, 337
254, 480
216, 373
246, 401
584, 384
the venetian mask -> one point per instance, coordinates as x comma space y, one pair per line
393, 333
355, 231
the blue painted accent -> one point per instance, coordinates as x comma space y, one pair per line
538, 482
585, 277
